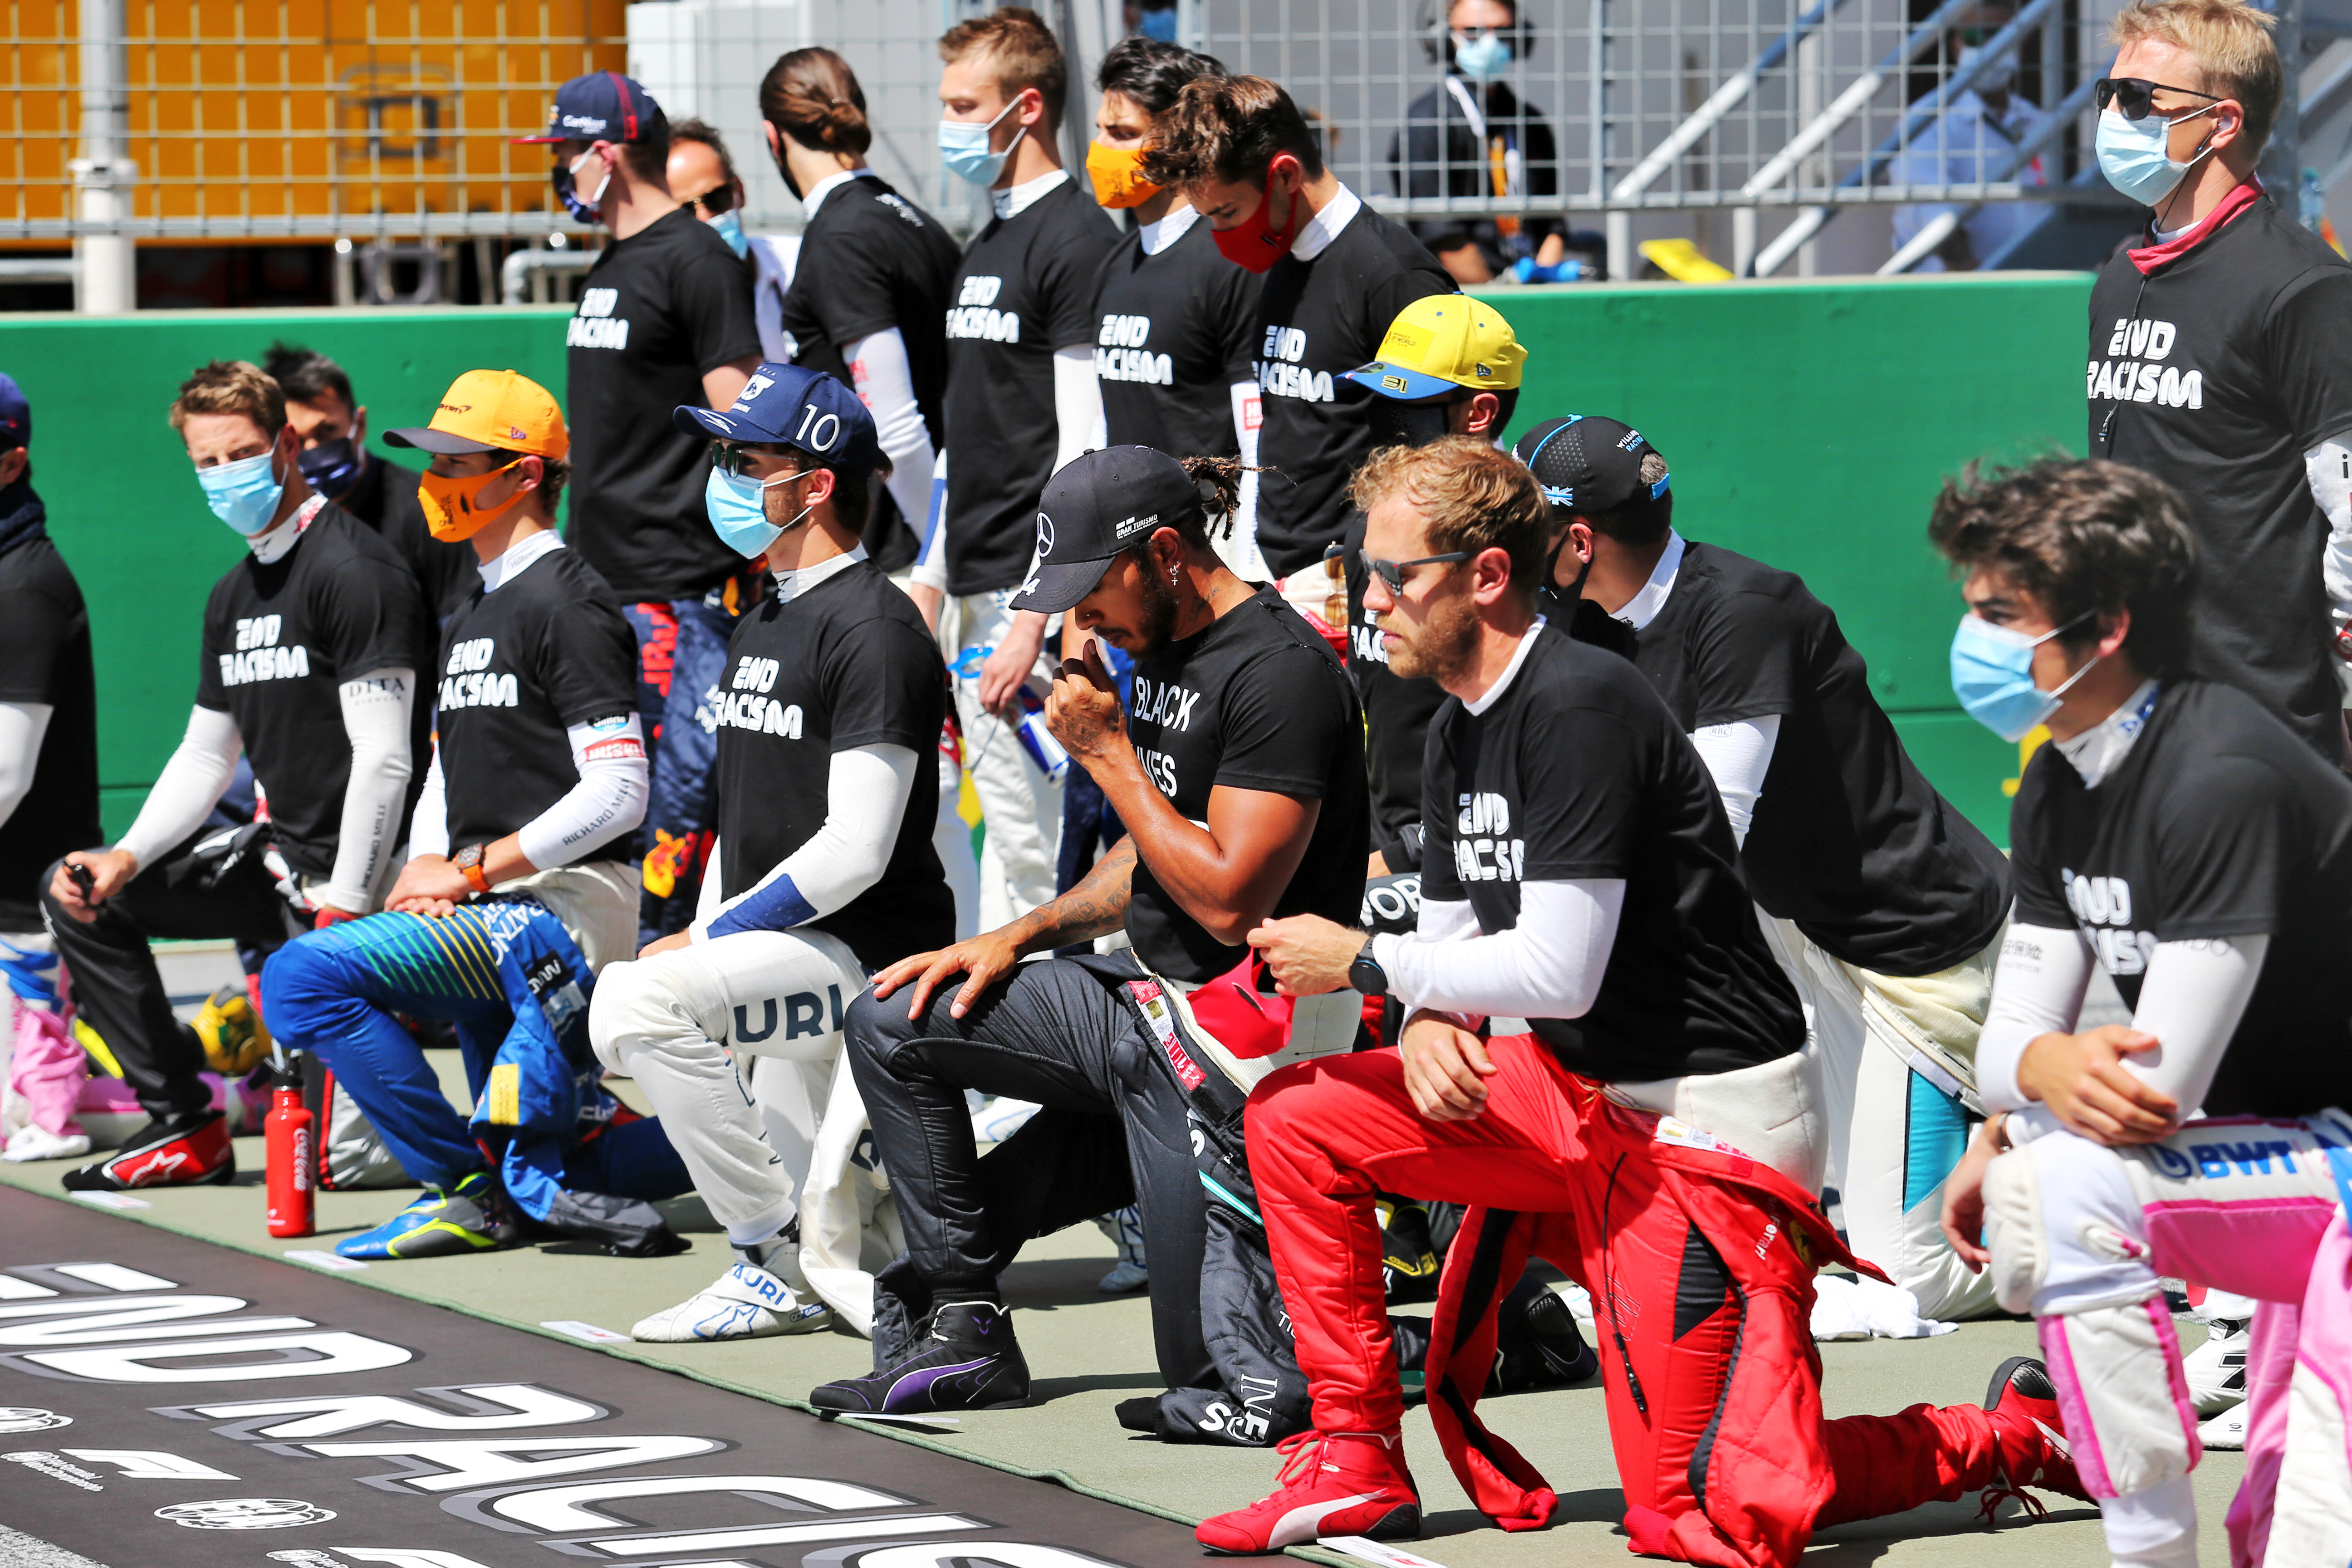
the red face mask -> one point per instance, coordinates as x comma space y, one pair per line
1252, 244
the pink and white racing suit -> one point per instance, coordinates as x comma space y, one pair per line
2080, 1234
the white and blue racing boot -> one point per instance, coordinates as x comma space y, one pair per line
765, 1293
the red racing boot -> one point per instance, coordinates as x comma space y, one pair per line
1339, 1483
185, 1152
2029, 1436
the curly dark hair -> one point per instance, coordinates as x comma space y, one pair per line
2084, 538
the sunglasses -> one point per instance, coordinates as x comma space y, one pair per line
729, 458
713, 202
1392, 572
2136, 95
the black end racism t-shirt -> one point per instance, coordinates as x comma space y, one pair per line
45, 658
1026, 289
871, 260
280, 639
658, 311
385, 499
1397, 710
1173, 333
1578, 772
548, 649
1317, 321
846, 663
2221, 368
2217, 824
1849, 841
1256, 702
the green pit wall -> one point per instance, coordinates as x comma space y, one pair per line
1808, 423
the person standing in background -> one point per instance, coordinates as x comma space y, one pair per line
1336, 273
1020, 403
1971, 142
333, 424
702, 174
48, 695
665, 318
1471, 136
2219, 360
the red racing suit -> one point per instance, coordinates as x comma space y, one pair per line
1700, 1264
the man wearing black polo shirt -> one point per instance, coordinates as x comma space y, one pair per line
48, 697
827, 721
1644, 1130
1336, 275
2218, 361
1020, 403
665, 318
1883, 902
335, 459
311, 646
1239, 776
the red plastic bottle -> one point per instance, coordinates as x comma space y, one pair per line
290, 1154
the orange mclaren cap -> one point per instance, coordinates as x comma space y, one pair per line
492, 411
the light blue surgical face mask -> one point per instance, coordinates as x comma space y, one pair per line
244, 494
737, 509
1483, 56
2133, 156
727, 227
1992, 675
964, 146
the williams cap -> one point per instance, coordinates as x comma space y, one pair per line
492, 411
1588, 462
15, 416
792, 406
1096, 506
1443, 342
602, 106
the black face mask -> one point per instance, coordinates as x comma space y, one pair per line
1398, 423
332, 466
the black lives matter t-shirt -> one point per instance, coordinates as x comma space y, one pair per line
658, 311
2217, 824
1317, 321
385, 499
1255, 702
1578, 772
1173, 332
520, 665
871, 260
846, 663
1025, 290
279, 637
2221, 366
1849, 840
45, 658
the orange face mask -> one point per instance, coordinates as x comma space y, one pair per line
448, 502
1118, 176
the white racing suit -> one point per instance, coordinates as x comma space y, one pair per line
2080, 1234
736, 1040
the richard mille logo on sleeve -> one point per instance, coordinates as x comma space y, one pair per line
259, 656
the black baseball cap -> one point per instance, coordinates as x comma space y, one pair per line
602, 106
792, 405
1588, 462
15, 416
1096, 506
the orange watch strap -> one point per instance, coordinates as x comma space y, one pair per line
473, 873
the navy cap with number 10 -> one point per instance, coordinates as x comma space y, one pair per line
792, 406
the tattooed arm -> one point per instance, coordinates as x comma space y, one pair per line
1096, 907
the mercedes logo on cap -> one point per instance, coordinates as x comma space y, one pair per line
1044, 534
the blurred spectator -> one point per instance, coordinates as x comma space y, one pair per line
702, 176
48, 697
665, 318
333, 429
1971, 141
1471, 136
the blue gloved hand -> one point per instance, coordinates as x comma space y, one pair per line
1527, 269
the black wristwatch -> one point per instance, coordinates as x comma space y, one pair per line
1366, 975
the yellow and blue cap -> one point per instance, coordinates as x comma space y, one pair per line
1440, 343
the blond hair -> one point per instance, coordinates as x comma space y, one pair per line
2230, 42
231, 386
1021, 52
1472, 497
